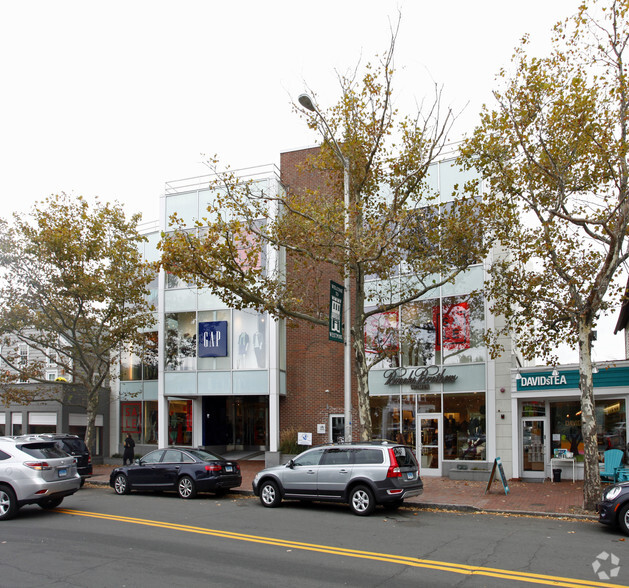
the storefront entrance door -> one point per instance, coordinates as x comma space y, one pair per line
428, 445
533, 447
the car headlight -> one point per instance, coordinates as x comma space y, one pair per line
612, 493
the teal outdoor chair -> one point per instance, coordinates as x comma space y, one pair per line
611, 465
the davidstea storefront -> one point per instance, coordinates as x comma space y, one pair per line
546, 404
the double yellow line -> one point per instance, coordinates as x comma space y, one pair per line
389, 558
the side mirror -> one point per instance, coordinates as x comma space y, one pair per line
137, 462
290, 464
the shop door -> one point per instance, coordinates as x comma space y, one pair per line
428, 445
533, 448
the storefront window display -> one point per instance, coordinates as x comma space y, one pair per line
130, 420
150, 422
181, 341
565, 426
462, 328
464, 426
249, 340
450, 333
139, 419
395, 417
385, 416
180, 422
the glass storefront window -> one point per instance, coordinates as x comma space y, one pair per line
150, 364
462, 328
185, 205
408, 421
419, 334
534, 408
565, 426
180, 422
428, 402
181, 341
130, 419
150, 423
249, 346
385, 416
130, 367
464, 426
382, 339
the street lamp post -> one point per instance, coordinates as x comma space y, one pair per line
306, 101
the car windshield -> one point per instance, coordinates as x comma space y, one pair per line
204, 455
43, 450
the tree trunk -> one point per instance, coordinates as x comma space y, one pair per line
362, 377
591, 477
91, 409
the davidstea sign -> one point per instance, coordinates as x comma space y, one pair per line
213, 339
606, 377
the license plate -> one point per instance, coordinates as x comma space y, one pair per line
63, 473
229, 469
410, 475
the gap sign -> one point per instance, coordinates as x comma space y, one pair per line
213, 339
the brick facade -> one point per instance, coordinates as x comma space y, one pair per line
314, 364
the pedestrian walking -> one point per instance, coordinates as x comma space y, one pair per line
129, 445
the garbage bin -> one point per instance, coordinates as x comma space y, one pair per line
557, 475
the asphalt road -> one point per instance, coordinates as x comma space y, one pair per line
97, 538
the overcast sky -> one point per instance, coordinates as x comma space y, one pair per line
115, 98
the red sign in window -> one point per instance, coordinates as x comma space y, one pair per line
455, 325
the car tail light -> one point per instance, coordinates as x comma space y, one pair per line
213, 468
394, 468
37, 465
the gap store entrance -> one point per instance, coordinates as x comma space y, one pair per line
236, 423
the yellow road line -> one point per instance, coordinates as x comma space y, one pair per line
389, 558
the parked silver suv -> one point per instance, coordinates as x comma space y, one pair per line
34, 470
362, 474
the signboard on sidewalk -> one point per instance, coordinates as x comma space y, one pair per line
501, 472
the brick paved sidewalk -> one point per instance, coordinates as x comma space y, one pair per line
562, 499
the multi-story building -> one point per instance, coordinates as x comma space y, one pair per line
443, 393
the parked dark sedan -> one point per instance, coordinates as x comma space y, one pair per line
614, 508
187, 471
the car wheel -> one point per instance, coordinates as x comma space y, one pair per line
8, 503
270, 494
121, 484
50, 503
186, 487
82, 482
361, 501
623, 519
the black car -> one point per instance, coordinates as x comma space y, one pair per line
614, 508
74, 446
185, 470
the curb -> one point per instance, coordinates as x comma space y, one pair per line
464, 508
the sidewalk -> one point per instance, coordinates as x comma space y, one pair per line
561, 499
